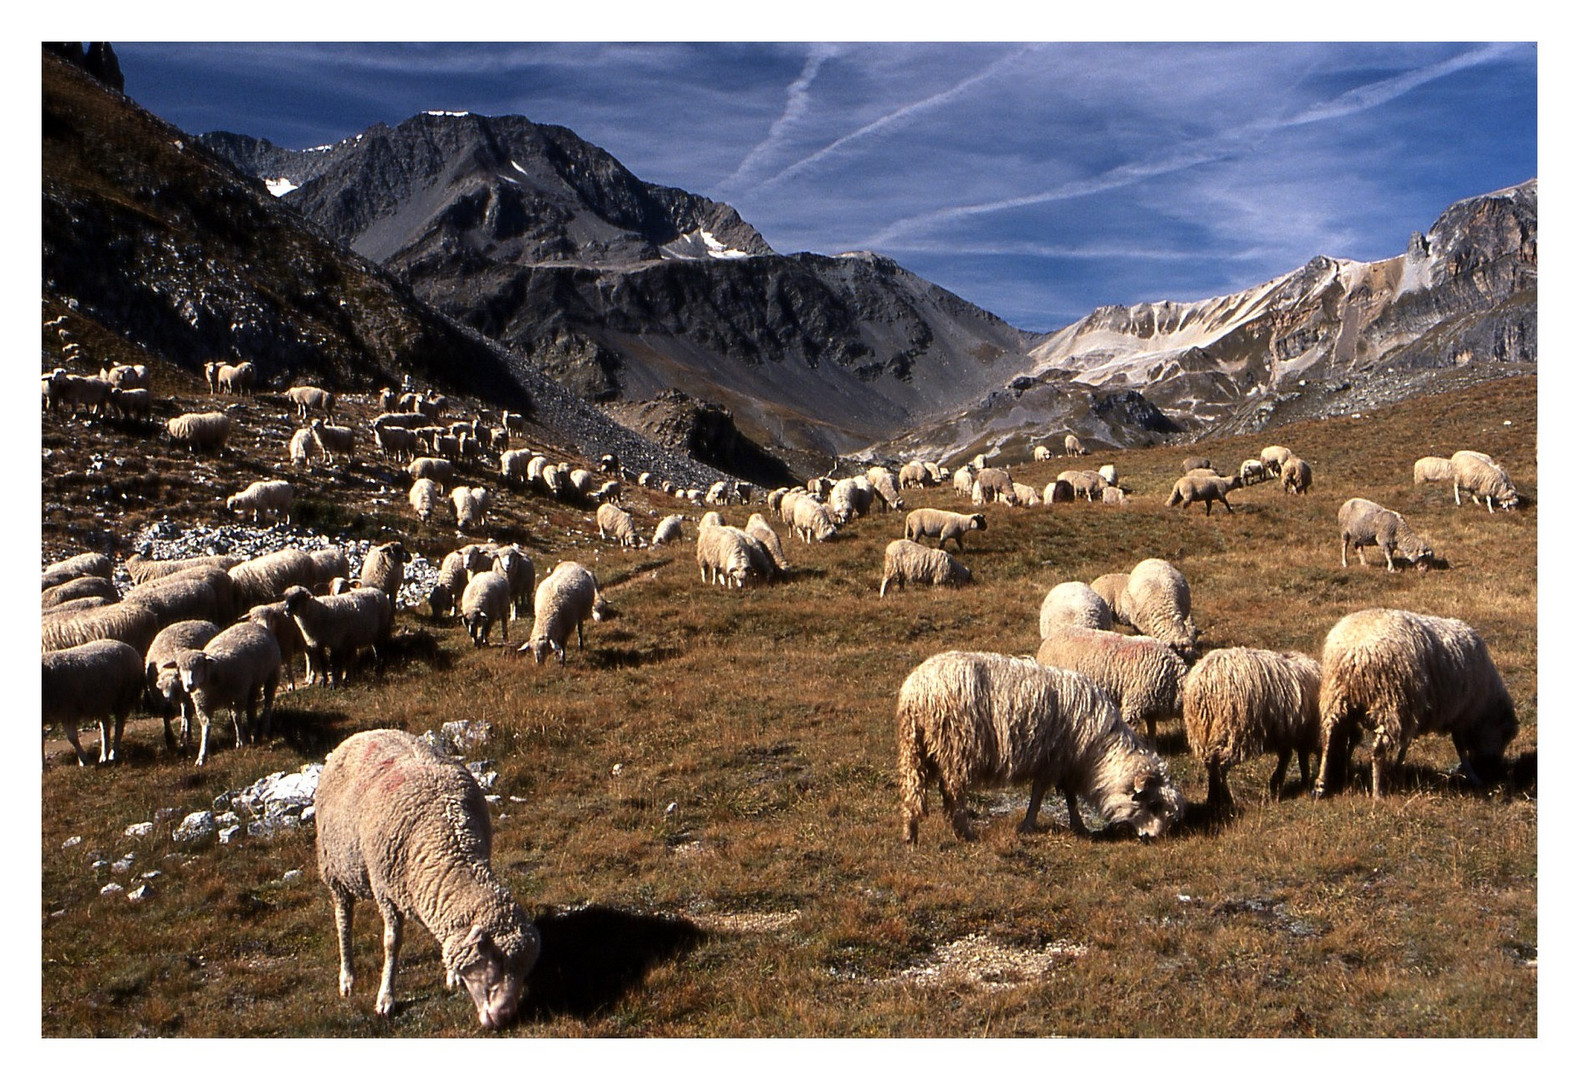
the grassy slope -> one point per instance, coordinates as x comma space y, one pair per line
753, 738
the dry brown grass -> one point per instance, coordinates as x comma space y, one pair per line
701, 811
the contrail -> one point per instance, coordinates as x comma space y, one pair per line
1219, 147
797, 99
902, 113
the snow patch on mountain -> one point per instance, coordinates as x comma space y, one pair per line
281, 185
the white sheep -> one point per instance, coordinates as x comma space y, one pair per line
384, 567
944, 525
905, 561
1156, 601
965, 480
1073, 603
264, 497
850, 498
237, 378
1108, 587
886, 485
200, 431
1040, 452
88, 391
485, 602
1113, 496
132, 404
1296, 475
277, 621
913, 474
758, 528
1073, 447
811, 521
87, 564
1087, 482
1431, 469
617, 524
1484, 479
520, 572
335, 628
471, 506
1253, 471
431, 468
1188, 490
78, 589
398, 824
668, 530
1239, 702
264, 578
1399, 674
1363, 524
512, 466
967, 719
98, 680
203, 592
126, 376
454, 571
1025, 495
1143, 676
1273, 457
125, 621
425, 497
566, 598
308, 399
993, 485
725, 556
238, 666
333, 440
303, 448
1109, 474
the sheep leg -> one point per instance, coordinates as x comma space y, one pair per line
269, 689
1466, 768
1381, 751
120, 726
1038, 789
954, 808
343, 902
202, 744
386, 985
1456, 500
1344, 546
1332, 771
1076, 822
1275, 785
169, 733
76, 742
1217, 791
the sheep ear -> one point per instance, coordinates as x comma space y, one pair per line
1145, 780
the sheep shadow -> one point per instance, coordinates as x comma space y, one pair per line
1519, 778
592, 956
616, 658
311, 733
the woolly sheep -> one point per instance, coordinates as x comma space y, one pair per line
711, 518
1025, 495
471, 506
1109, 474
132, 404
1363, 524
125, 621
913, 474
126, 376
905, 561
400, 825
485, 602
1108, 587
616, 524
239, 665
431, 468
426, 496
758, 528
87, 564
140, 568
851, 498
935, 472
996, 485
811, 521
408, 419
303, 448
582, 483
89, 391
263, 496
1073, 603
202, 592
328, 563
724, 556
1273, 458
1252, 471
98, 680
1156, 601
964, 480
335, 628
1399, 674
787, 505
944, 525
512, 466
211, 375
200, 431
163, 687
1192, 463
886, 485
1296, 476
1087, 482
454, 571
384, 567
78, 589
1189, 490
1040, 452
1482, 478
1142, 675
277, 621
1060, 491
334, 440
236, 378
519, 571
967, 719
396, 442
668, 530
1112, 496
1240, 702
264, 578
610, 491
1073, 447
565, 599
309, 399
1430, 469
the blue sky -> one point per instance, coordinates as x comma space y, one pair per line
1037, 180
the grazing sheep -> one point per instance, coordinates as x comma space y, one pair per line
264, 579
88, 391
454, 571
132, 404
945, 525
758, 528
309, 399
1296, 475
200, 431
164, 688
518, 569
203, 592
1189, 490
725, 557
886, 485
811, 521
277, 621
582, 483
1112, 496
402, 826
335, 628
1273, 458
77, 589
1060, 491
1040, 452
512, 466
1363, 524
994, 485
965, 480
1192, 463
565, 599
1399, 674
1156, 601
1073, 603
126, 376
140, 568
851, 498
304, 448
239, 665
1240, 702
787, 505
431, 468
1142, 675
712, 518
328, 564
471, 506
668, 530
614, 523
87, 564
1108, 587
1430, 469
237, 378
264, 497
1025, 495
966, 719
426, 496
1087, 482
1073, 447
935, 472
333, 440
384, 568
1252, 471
97, 680
913, 474
905, 561
1482, 478
485, 602
611, 491
126, 621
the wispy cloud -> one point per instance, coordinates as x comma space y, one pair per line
797, 100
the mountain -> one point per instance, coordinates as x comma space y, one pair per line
1334, 336
623, 290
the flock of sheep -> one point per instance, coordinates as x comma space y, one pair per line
402, 825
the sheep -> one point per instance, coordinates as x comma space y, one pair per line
669, 530
126, 621
555, 481
264, 579
333, 440
564, 599
1484, 479
1108, 587
387, 399
1296, 476
310, 398
1189, 490
1073, 447
1363, 524
905, 561
435, 404
410, 830
384, 567
935, 472
445, 446
471, 506
89, 391
335, 628
964, 480
425, 497
78, 589
395, 442
512, 466
408, 419
277, 621
1142, 675
485, 602
303, 448
996, 485
611, 491
1192, 463
1040, 452
717, 494
886, 485
518, 569
140, 568
1240, 702
87, 564
1156, 601
1073, 603
1112, 496
1025, 495
711, 518
237, 378
1273, 457
811, 521
757, 527
614, 523
263, 496
132, 404
328, 563
211, 375
514, 422
787, 505
163, 687
945, 525
725, 557
431, 468
1430, 469
536, 465
1399, 674
581, 484
1252, 471
913, 474
238, 665
200, 431
1087, 482
454, 571
126, 376
203, 592
851, 498
97, 680
966, 718
1060, 491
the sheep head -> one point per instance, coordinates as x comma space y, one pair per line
493, 966
1154, 803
